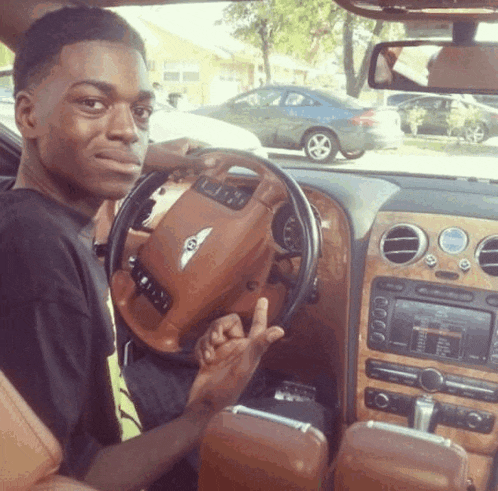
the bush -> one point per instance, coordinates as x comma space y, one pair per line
415, 117
461, 116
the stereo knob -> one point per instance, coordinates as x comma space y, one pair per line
381, 400
474, 419
431, 380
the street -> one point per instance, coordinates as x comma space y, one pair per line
480, 165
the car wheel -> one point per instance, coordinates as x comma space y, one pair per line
353, 155
321, 146
476, 133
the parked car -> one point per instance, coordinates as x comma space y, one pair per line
322, 123
437, 110
168, 123
399, 97
489, 100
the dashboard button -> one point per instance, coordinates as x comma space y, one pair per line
378, 325
380, 313
377, 338
431, 380
474, 420
492, 300
390, 285
381, 400
381, 302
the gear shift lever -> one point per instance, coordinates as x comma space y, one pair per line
425, 414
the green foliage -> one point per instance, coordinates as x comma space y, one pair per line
461, 116
248, 19
415, 117
312, 31
6, 56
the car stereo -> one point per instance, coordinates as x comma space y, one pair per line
428, 320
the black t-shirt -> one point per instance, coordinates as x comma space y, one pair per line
56, 329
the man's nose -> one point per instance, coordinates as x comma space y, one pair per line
122, 125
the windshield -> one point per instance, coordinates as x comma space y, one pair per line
202, 55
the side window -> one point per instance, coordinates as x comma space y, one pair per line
260, 98
247, 100
457, 104
268, 97
427, 103
296, 99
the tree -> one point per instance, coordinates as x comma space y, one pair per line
257, 23
310, 30
355, 78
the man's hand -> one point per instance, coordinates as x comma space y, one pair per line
174, 154
228, 358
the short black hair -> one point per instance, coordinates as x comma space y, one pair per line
41, 44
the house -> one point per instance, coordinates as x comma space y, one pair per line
200, 69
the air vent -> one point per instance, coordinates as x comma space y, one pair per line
487, 255
403, 243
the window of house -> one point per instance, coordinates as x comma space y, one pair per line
181, 72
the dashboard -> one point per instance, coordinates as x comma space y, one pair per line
406, 303
423, 304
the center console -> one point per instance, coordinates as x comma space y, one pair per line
428, 338
427, 320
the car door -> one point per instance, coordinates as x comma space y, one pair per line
430, 121
298, 112
256, 111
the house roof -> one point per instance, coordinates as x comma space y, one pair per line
200, 32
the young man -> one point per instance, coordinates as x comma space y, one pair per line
83, 101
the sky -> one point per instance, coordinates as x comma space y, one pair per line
195, 22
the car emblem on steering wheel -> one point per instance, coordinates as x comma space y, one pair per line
192, 245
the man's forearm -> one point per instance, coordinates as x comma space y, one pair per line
137, 463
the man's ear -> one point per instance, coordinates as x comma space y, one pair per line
26, 120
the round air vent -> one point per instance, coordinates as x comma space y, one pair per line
487, 255
403, 243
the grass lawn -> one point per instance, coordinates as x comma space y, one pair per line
434, 145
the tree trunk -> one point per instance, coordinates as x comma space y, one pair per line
348, 54
265, 48
355, 82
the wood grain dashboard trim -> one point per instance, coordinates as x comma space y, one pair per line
377, 265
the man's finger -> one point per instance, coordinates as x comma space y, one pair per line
262, 342
260, 318
228, 327
204, 352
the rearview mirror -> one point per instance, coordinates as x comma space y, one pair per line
428, 66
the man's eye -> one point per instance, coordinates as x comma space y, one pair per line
92, 104
143, 113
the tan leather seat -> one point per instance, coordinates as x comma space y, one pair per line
378, 456
30, 454
246, 449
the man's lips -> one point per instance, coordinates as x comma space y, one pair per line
119, 156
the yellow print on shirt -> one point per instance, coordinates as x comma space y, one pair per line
125, 409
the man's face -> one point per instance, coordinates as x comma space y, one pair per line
92, 115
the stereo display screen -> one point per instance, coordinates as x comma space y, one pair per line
441, 331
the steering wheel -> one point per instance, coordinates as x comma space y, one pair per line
210, 254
